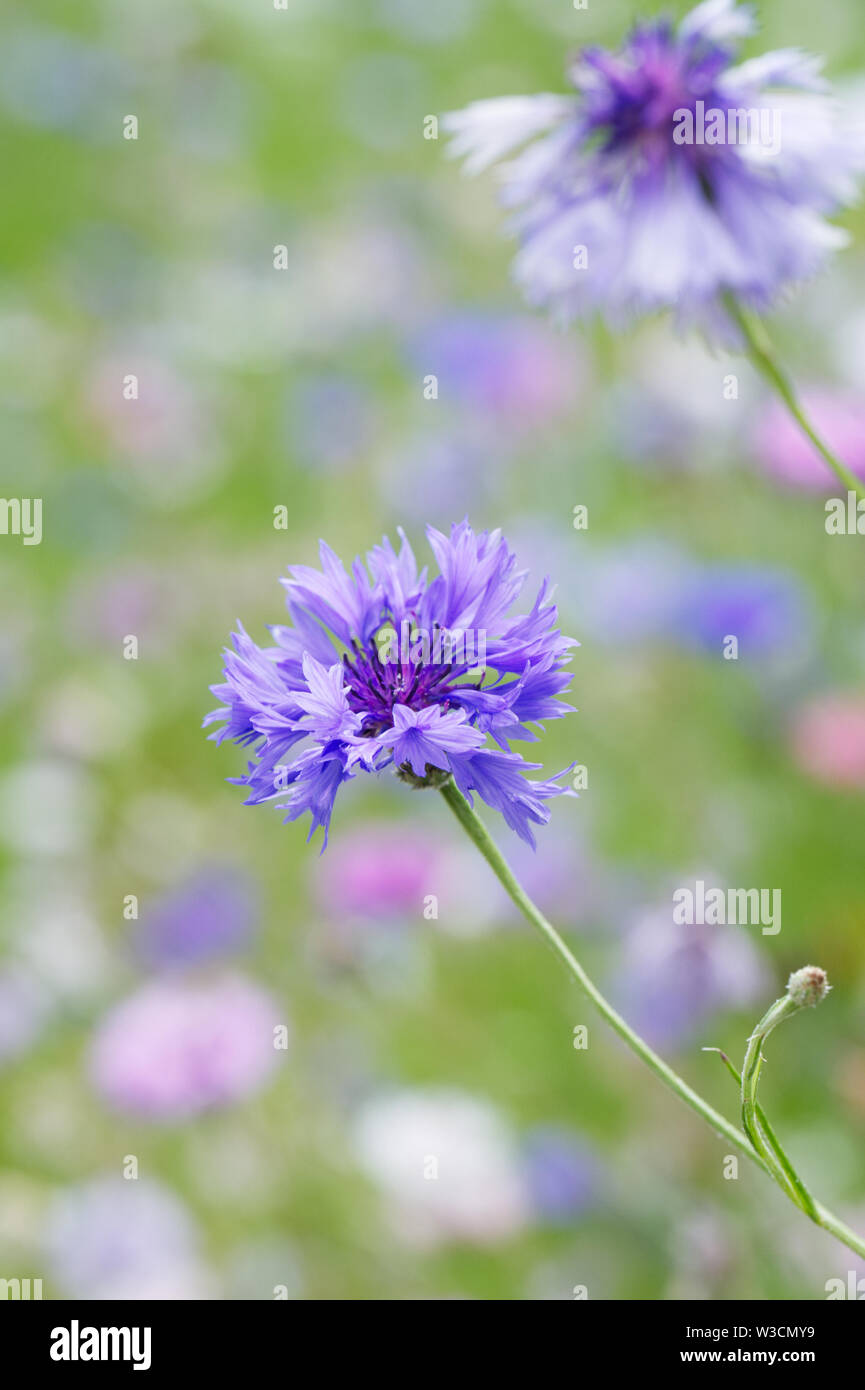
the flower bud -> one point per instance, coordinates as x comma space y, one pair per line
806, 987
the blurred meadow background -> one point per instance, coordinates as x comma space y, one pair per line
143, 1045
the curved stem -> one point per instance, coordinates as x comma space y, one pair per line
753, 1118
791, 1183
480, 836
759, 349
750, 1076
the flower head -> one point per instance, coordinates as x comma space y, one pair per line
808, 986
672, 177
383, 667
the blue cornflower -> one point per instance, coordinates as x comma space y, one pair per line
672, 177
385, 667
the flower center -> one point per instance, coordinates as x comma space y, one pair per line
375, 686
634, 96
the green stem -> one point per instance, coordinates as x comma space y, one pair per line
480, 836
759, 349
751, 1066
750, 1076
798, 1192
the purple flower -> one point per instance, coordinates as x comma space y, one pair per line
671, 177
561, 1173
330, 421
211, 913
384, 667
674, 977
176, 1048
515, 372
765, 609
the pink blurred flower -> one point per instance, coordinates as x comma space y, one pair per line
785, 452
176, 1048
379, 873
827, 739
105, 606
380, 881
165, 441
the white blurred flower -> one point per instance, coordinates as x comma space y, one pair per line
53, 933
446, 1164
259, 1268
25, 1004
46, 807
91, 718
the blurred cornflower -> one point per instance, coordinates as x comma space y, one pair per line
562, 1175
636, 589
177, 1048
647, 430
514, 371
434, 473
211, 913
767, 610
673, 977
384, 667
117, 1239
649, 592
330, 420
647, 190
